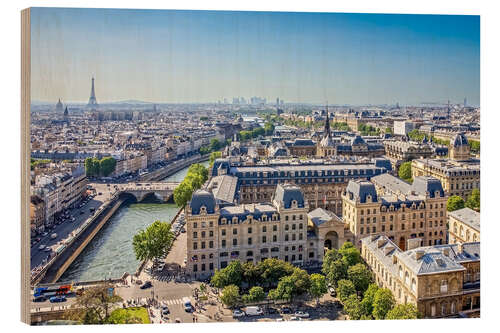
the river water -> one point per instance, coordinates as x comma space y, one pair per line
110, 253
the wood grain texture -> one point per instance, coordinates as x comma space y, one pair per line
25, 163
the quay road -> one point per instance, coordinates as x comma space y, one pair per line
64, 230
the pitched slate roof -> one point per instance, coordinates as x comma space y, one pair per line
467, 216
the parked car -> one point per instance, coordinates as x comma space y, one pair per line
57, 299
271, 310
285, 310
294, 318
301, 314
165, 311
238, 314
146, 285
187, 304
332, 292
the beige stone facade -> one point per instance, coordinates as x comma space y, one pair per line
464, 226
397, 209
441, 280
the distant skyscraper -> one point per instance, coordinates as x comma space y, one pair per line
92, 100
465, 102
277, 101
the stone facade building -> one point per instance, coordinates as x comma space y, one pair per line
218, 234
464, 226
390, 206
441, 280
459, 175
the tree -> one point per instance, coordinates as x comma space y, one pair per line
255, 294
345, 289
214, 155
368, 299
360, 276
215, 144
350, 254
107, 165
230, 275
403, 311
404, 171
474, 200
230, 296
272, 270
182, 194
334, 267
382, 303
292, 285
318, 286
352, 307
454, 203
94, 305
151, 243
251, 274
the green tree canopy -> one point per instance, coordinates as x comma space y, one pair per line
382, 303
151, 243
350, 255
182, 194
403, 311
255, 294
318, 286
107, 165
352, 307
292, 285
230, 275
404, 171
474, 200
360, 276
334, 268
345, 289
230, 296
454, 203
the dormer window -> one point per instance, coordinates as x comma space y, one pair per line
203, 210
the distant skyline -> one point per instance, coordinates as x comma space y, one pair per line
169, 56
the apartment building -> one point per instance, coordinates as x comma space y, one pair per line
463, 226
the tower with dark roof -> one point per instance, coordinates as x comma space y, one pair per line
59, 106
460, 149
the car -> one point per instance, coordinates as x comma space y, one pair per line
183, 230
177, 320
57, 299
253, 311
280, 319
238, 314
165, 311
146, 285
39, 299
294, 318
41, 247
286, 310
301, 314
48, 249
332, 292
45, 234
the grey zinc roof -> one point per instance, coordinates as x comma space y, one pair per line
286, 193
424, 184
433, 261
467, 216
361, 189
202, 198
224, 187
320, 216
248, 209
383, 253
391, 183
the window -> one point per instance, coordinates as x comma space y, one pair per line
286, 227
275, 238
211, 233
300, 226
223, 232
195, 234
223, 243
235, 231
250, 241
202, 267
195, 225
275, 228
195, 268
211, 266
235, 242
444, 286
300, 236
293, 237
195, 246
249, 230
361, 230
211, 223
286, 238
263, 239
211, 244
202, 245
203, 234
264, 229
223, 264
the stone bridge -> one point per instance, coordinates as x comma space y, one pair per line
162, 190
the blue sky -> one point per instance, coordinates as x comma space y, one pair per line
204, 56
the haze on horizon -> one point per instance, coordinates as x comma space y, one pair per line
169, 56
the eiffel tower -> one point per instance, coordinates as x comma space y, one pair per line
92, 100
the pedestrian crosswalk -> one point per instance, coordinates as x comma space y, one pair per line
173, 301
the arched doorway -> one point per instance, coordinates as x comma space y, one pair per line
331, 240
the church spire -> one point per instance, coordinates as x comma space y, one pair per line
327, 123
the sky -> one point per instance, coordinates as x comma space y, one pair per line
173, 56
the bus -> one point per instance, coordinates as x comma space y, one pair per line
53, 290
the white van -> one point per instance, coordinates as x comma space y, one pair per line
253, 311
53, 236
